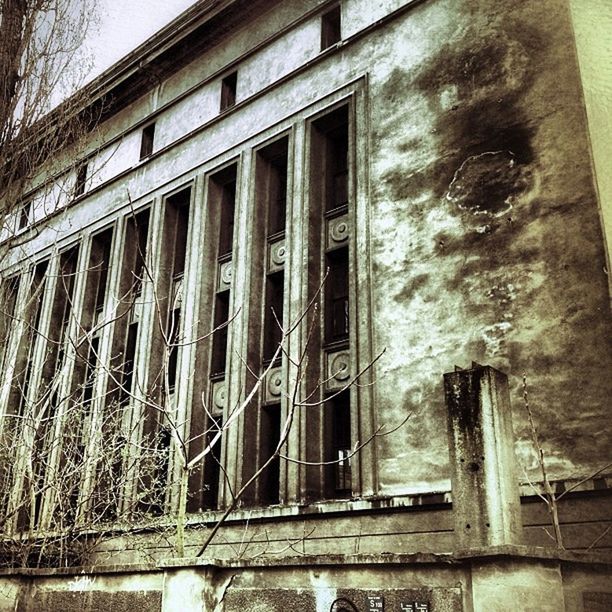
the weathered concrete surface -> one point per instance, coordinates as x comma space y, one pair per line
500, 585
488, 580
83, 590
486, 241
486, 502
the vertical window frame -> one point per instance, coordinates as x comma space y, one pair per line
331, 27
229, 86
147, 141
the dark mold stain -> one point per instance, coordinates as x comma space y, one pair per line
485, 139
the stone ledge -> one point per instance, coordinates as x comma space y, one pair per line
119, 568
460, 557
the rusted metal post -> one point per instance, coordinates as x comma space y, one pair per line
485, 492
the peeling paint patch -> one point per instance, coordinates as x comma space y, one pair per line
487, 183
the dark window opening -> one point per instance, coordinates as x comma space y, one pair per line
278, 196
10, 290
24, 215
37, 293
219, 350
60, 321
68, 265
90, 368
222, 204
93, 308
179, 218
128, 363
81, 178
180, 206
174, 324
331, 28
98, 270
273, 314
341, 443
270, 437
337, 186
135, 257
146, 143
336, 293
212, 463
226, 230
159, 476
272, 184
228, 90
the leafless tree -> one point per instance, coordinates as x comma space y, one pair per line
74, 453
40, 116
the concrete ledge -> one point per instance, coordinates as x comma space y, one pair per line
460, 557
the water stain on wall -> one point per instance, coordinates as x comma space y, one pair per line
512, 271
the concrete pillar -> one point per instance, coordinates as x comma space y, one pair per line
485, 492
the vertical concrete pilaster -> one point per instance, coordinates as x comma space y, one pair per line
485, 492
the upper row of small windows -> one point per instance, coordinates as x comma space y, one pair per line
330, 35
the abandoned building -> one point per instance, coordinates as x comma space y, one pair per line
233, 311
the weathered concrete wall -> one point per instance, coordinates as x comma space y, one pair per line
472, 582
82, 590
486, 238
384, 526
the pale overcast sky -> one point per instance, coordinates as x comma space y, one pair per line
125, 24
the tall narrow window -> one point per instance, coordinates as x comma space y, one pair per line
164, 364
330, 193
228, 90
223, 189
340, 445
331, 28
272, 198
178, 244
51, 390
22, 406
10, 289
86, 368
222, 204
337, 297
134, 262
269, 485
147, 140
34, 312
8, 295
267, 295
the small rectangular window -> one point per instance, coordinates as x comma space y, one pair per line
146, 143
24, 215
228, 90
81, 178
331, 28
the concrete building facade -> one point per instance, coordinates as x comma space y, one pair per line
291, 219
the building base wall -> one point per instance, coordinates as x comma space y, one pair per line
524, 578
